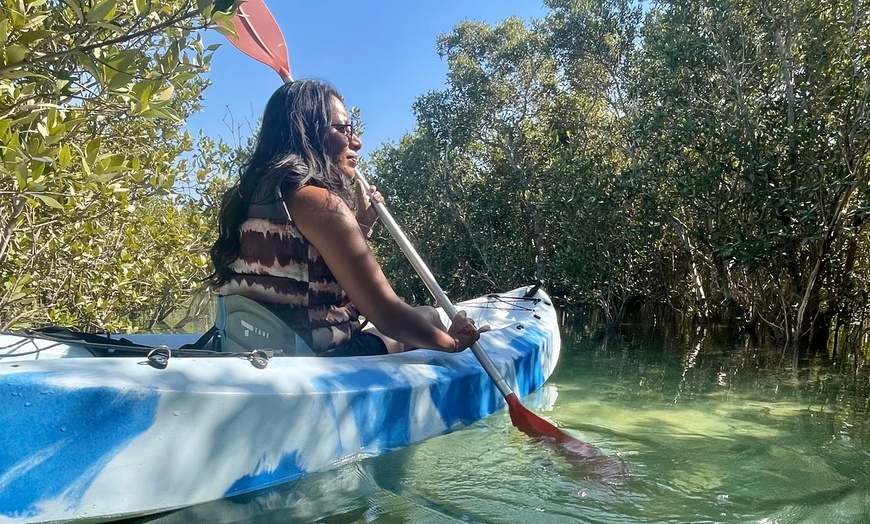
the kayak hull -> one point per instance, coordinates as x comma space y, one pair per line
103, 438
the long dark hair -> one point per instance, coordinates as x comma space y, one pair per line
289, 153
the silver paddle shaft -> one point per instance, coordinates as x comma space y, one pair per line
432, 284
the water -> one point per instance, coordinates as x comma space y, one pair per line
711, 431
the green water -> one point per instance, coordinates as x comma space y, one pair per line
711, 431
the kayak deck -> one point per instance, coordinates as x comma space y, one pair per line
116, 437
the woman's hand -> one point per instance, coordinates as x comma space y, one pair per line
366, 215
464, 332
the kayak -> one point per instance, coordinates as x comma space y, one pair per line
106, 437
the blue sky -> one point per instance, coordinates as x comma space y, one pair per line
381, 55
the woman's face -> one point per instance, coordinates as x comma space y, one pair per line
341, 143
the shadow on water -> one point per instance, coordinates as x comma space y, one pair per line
708, 428
348, 493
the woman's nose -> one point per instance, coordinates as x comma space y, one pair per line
355, 143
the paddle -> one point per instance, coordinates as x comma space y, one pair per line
522, 418
258, 36
261, 38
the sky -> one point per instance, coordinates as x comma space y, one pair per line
380, 55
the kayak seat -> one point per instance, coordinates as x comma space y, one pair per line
245, 325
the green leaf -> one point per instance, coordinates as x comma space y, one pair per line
30, 37
92, 149
140, 6
64, 157
227, 31
16, 53
123, 59
91, 66
26, 119
105, 177
102, 11
118, 81
86, 168
37, 169
166, 94
21, 176
15, 75
75, 8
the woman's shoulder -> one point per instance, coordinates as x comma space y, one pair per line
313, 195
316, 210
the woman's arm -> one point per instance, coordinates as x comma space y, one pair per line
326, 221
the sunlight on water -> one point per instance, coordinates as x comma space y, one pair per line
710, 432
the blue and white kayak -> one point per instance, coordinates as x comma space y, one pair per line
109, 437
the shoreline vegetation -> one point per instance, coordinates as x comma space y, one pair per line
698, 163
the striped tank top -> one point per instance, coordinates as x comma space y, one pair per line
279, 268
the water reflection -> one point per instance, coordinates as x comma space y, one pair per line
339, 495
710, 429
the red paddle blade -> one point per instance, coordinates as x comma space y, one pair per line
258, 36
535, 426
531, 424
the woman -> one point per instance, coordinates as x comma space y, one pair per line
289, 239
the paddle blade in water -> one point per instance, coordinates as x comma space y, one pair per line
531, 424
258, 36
535, 426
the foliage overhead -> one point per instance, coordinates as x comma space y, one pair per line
93, 97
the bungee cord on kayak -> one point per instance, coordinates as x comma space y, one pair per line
104, 345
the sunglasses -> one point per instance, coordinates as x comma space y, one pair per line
347, 129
